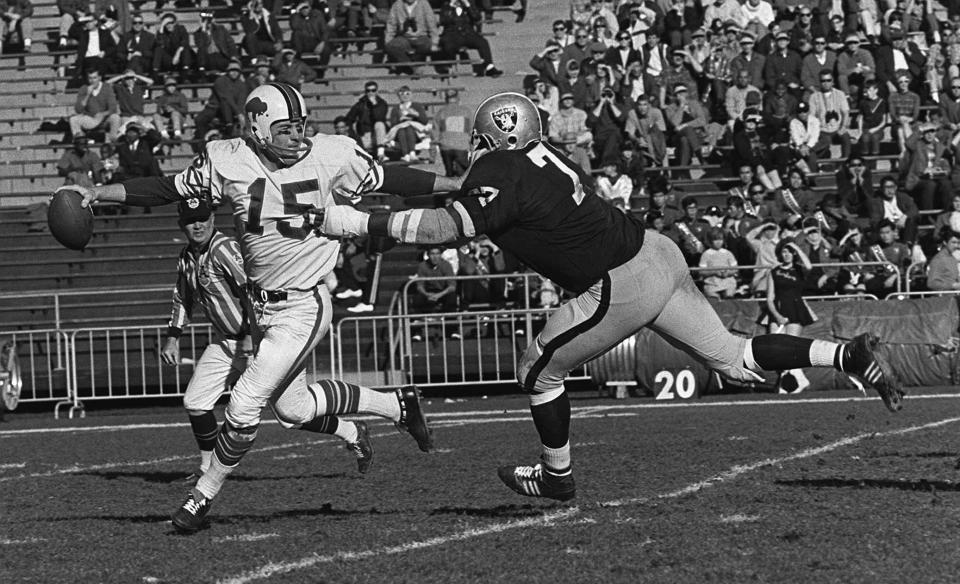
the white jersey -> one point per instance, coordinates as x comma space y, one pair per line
279, 251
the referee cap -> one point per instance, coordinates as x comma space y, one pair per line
193, 210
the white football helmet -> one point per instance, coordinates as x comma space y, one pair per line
505, 121
271, 103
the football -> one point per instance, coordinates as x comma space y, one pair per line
70, 224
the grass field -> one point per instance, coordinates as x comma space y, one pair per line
810, 488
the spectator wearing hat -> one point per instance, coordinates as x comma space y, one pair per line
831, 108
172, 107
412, 29
784, 64
173, 52
579, 51
290, 70
96, 47
135, 153
137, 47
130, 89
548, 63
904, 107
748, 60
855, 66
699, 48
607, 121
805, 137
453, 124
262, 72
740, 96
368, 116
215, 45
647, 127
310, 34
577, 83
819, 59
262, 34
96, 109
926, 168
681, 70
569, 131
803, 31
81, 165
224, 108
907, 55
756, 17
409, 124
686, 119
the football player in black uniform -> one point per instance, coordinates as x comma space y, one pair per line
531, 200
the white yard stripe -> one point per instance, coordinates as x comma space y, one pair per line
585, 411
25, 541
12, 465
276, 568
245, 537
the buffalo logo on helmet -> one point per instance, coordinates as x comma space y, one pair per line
256, 107
505, 118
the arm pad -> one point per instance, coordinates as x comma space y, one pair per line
404, 181
424, 226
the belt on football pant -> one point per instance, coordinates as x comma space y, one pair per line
262, 295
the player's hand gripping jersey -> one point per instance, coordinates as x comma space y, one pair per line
540, 206
271, 207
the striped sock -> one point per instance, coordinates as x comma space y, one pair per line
338, 397
232, 444
322, 425
205, 430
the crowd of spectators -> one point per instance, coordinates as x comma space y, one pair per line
763, 100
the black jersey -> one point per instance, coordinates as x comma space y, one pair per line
541, 207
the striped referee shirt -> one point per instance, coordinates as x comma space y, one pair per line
213, 279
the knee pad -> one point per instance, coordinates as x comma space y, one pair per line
530, 356
294, 409
280, 420
238, 435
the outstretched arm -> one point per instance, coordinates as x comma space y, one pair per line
407, 182
142, 192
414, 226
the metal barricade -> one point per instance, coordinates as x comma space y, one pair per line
436, 350
887, 264
55, 302
43, 357
126, 363
920, 294
527, 279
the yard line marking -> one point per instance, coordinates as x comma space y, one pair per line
245, 537
12, 465
273, 569
276, 568
21, 541
583, 411
737, 470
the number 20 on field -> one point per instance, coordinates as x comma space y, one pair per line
675, 384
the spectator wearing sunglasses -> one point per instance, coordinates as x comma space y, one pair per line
369, 118
137, 47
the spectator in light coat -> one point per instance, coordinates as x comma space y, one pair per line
96, 108
412, 27
942, 272
291, 70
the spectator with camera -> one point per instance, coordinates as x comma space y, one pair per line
412, 31
461, 21
215, 45
607, 121
96, 47
138, 45
262, 34
173, 52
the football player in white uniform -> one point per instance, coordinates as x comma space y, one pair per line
277, 182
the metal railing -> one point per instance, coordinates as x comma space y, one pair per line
56, 300
894, 269
525, 276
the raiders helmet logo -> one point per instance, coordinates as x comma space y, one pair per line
505, 118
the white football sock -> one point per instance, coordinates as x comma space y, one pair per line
379, 403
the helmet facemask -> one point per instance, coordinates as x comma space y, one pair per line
481, 144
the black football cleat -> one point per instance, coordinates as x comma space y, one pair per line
860, 358
536, 481
191, 516
362, 448
412, 419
